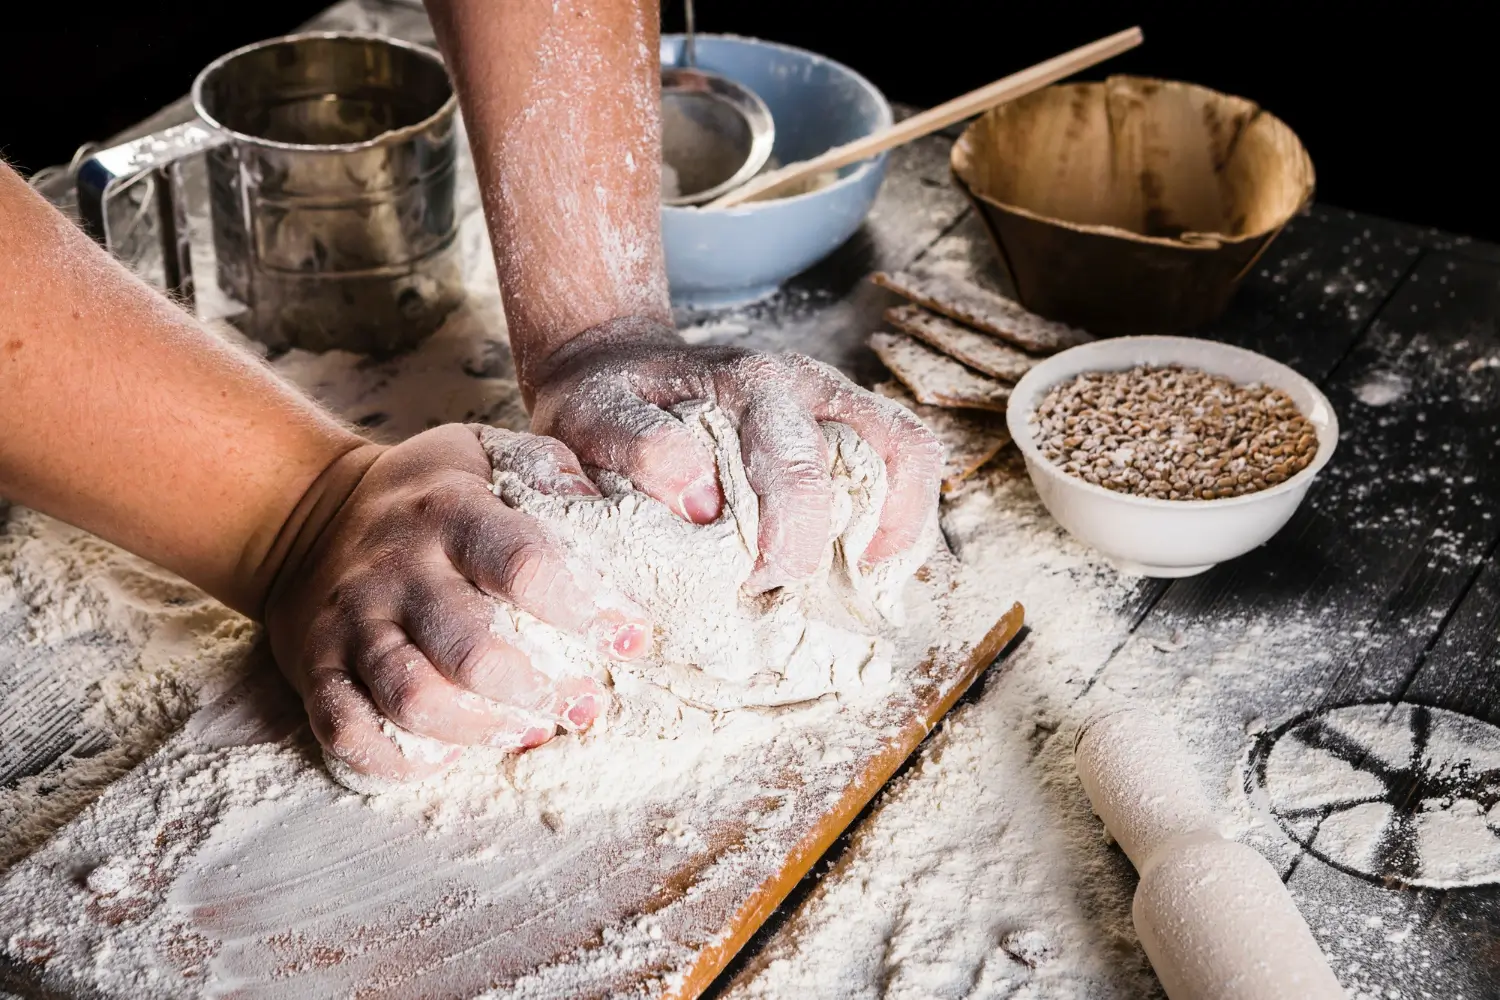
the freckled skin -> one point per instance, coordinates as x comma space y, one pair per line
374, 567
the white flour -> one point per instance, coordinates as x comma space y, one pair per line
714, 646
238, 863
128, 646
983, 873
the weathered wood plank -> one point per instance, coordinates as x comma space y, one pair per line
1462, 670
1344, 603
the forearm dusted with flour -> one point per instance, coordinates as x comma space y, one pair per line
120, 414
561, 101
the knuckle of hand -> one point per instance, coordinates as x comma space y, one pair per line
806, 476
757, 371
541, 455
441, 499
809, 367
334, 720
345, 741
552, 451
657, 446
529, 567
403, 696
464, 658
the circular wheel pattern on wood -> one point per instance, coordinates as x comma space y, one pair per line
1396, 793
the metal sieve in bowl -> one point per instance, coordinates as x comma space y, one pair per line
716, 134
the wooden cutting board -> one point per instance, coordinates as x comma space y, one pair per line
228, 864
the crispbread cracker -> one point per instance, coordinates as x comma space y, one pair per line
982, 309
936, 379
979, 351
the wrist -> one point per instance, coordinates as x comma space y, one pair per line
620, 333
303, 528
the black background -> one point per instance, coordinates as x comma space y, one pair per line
1394, 102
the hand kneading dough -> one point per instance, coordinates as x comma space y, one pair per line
715, 646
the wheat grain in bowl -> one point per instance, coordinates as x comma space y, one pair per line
1171, 432
1155, 535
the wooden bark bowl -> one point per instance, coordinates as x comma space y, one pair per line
1134, 205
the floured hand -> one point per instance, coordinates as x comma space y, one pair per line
606, 393
381, 614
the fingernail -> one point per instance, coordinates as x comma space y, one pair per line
701, 501
630, 641
613, 633
531, 736
536, 736
583, 710
573, 486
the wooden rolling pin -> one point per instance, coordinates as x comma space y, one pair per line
1213, 916
929, 121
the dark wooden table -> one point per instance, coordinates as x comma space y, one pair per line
1395, 549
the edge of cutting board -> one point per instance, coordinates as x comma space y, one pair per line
748, 919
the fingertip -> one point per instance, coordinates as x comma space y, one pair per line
536, 736
583, 702
631, 641
369, 751
569, 486
583, 710
701, 501
620, 629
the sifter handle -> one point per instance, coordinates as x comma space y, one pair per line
108, 173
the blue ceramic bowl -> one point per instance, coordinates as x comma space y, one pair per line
723, 257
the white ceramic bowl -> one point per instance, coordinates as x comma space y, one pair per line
1167, 538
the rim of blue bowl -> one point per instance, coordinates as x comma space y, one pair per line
888, 117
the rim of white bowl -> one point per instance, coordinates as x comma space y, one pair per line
1038, 380
888, 116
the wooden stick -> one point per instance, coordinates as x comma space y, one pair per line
970, 104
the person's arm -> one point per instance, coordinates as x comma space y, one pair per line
373, 567
562, 104
119, 415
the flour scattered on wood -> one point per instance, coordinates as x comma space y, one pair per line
125, 650
1382, 388
983, 865
231, 859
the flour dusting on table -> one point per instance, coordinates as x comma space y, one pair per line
601, 864
128, 646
